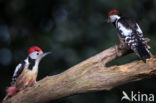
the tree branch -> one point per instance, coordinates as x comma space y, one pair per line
89, 75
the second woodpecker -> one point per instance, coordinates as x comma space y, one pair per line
130, 34
25, 73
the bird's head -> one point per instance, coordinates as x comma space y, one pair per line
36, 53
113, 15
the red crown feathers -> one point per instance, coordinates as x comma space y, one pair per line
111, 12
34, 48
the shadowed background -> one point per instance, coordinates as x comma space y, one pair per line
73, 30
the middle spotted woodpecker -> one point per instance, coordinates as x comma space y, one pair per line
25, 73
130, 34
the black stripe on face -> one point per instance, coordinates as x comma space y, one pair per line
32, 63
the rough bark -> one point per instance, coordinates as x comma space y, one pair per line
89, 75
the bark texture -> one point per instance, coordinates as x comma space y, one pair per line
89, 75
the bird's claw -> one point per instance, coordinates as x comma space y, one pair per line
148, 47
36, 84
121, 46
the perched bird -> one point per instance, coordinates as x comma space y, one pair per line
25, 73
129, 34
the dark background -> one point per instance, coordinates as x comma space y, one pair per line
73, 30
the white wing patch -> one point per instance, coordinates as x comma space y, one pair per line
124, 31
17, 69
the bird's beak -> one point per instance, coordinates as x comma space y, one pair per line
44, 54
107, 20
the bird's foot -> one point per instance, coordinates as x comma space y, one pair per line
36, 84
148, 47
121, 46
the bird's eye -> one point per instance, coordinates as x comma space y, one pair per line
37, 53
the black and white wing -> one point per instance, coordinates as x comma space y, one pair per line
18, 70
127, 30
132, 35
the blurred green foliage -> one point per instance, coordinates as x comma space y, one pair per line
73, 30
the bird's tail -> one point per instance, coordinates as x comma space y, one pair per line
143, 52
5, 98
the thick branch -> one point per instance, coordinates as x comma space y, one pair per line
90, 75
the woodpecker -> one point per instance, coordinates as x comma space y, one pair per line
25, 73
129, 34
